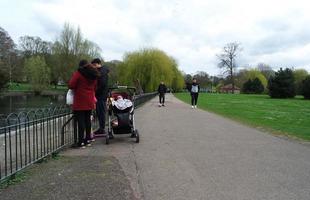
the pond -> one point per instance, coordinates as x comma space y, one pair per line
10, 104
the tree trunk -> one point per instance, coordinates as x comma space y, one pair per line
232, 77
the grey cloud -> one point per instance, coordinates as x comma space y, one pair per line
281, 40
290, 31
50, 27
276, 24
191, 28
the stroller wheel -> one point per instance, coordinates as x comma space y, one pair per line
133, 134
137, 136
107, 139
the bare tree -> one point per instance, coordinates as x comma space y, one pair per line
266, 70
228, 60
69, 48
33, 45
8, 57
203, 79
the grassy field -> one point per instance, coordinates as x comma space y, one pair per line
19, 87
290, 117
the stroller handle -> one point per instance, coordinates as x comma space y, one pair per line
123, 87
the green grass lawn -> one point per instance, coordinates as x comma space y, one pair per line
19, 87
281, 116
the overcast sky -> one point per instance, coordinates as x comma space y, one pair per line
276, 32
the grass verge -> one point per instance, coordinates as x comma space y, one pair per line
289, 117
24, 174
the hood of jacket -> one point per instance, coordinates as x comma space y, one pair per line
89, 72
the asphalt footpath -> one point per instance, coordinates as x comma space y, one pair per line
183, 153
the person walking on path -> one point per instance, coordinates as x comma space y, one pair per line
194, 91
83, 83
101, 95
162, 89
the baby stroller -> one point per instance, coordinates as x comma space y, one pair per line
121, 112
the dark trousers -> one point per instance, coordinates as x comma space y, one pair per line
194, 96
162, 98
83, 120
101, 112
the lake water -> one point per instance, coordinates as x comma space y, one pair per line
9, 104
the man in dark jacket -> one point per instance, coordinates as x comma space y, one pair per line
162, 89
101, 95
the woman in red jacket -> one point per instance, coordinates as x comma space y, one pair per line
83, 82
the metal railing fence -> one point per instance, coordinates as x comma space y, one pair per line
28, 137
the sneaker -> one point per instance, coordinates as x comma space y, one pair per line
192, 107
87, 141
88, 145
159, 105
163, 105
195, 106
81, 146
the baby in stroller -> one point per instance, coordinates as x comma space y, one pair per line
122, 109
121, 104
121, 112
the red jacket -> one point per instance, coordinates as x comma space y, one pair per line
84, 92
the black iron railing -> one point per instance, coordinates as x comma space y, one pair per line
28, 137
142, 98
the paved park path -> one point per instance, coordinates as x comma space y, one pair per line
183, 154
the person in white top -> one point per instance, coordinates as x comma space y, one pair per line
194, 91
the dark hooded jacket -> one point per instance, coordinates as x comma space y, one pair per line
89, 72
102, 85
162, 89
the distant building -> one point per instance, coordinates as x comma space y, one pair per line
228, 89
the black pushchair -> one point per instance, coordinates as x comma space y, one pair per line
121, 121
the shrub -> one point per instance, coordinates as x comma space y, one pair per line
299, 76
253, 87
247, 87
282, 84
306, 87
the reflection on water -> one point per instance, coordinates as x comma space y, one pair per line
9, 104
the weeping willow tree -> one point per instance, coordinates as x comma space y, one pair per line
178, 79
150, 67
